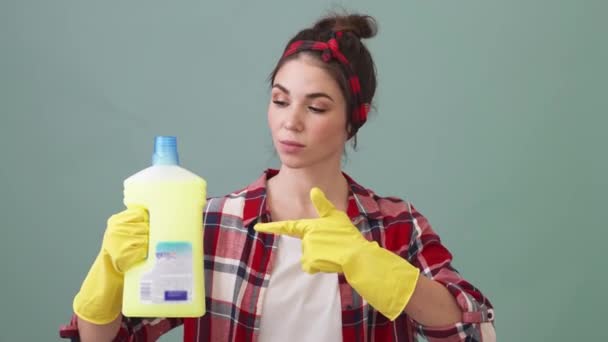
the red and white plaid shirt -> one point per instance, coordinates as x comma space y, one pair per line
238, 266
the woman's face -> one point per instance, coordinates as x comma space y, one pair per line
307, 115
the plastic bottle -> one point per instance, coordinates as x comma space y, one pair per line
169, 283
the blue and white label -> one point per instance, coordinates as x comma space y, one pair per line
176, 295
170, 280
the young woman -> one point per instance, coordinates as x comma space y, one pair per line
304, 253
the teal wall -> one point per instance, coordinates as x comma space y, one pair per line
491, 119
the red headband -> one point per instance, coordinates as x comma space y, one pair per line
330, 49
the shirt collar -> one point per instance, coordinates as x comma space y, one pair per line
361, 201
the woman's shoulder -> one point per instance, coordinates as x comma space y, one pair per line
245, 203
234, 199
399, 212
391, 206
381, 205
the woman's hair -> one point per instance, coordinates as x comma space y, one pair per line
354, 27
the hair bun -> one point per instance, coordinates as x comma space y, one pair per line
362, 26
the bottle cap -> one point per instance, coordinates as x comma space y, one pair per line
165, 151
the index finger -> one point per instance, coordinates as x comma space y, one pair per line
293, 228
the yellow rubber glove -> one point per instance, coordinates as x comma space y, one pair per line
332, 244
125, 243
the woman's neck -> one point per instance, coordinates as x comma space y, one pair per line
289, 190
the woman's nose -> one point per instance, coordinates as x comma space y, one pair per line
294, 119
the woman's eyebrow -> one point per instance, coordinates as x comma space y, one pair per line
310, 96
319, 94
281, 88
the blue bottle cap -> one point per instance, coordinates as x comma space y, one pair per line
165, 151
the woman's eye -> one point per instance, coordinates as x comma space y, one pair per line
279, 103
316, 110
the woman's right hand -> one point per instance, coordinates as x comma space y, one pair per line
126, 238
125, 243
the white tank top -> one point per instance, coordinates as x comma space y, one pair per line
299, 306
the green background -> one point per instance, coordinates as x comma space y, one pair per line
491, 119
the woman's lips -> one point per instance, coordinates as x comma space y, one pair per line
290, 146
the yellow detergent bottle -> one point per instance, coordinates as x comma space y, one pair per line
169, 283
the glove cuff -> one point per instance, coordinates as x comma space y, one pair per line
384, 279
99, 300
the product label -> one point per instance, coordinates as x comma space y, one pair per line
170, 280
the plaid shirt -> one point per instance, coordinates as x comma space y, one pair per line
238, 265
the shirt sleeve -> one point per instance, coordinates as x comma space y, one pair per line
435, 262
140, 329
148, 329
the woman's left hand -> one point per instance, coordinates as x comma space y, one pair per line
328, 242
331, 243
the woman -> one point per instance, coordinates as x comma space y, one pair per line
304, 253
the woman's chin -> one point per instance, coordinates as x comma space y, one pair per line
292, 162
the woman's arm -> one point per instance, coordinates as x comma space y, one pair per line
94, 332
432, 304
